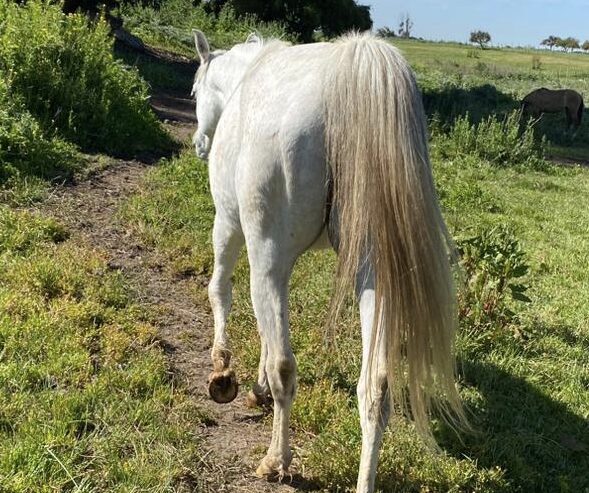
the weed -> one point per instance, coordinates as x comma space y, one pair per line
493, 263
501, 142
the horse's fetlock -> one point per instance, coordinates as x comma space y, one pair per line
221, 359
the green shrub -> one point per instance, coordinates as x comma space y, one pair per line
502, 142
62, 69
171, 23
25, 149
494, 264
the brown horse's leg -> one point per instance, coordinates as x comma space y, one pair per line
570, 117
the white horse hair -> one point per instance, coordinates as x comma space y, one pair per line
329, 137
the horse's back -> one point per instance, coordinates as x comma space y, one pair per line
553, 100
272, 134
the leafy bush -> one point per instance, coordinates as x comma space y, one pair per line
25, 149
170, 25
67, 78
503, 142
494, 265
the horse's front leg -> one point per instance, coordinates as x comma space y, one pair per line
227, 242
373, 397
270, 271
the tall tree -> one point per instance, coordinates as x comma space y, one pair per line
585, 46
568, 44
405, 26
482, 38
550, 41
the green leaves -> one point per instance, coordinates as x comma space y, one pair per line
501, 142
494, 264
66, 78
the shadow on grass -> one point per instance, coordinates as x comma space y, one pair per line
540, 443
480, 102
162, 70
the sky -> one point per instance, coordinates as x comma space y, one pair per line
509, 22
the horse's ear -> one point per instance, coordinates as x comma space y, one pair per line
202, 46
253, 37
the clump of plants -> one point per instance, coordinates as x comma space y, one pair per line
501, 141
25, 149
62, 70
170, 23
494, 266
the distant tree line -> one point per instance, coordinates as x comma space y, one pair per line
567, 44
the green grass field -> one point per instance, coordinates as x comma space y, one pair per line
526, 384
86, 399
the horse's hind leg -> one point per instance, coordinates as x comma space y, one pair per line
227, 242
373, 397
260, 394
270, 271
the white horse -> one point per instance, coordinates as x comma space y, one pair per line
329, 139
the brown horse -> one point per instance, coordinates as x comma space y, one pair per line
554, 101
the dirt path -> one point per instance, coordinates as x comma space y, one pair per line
236, 437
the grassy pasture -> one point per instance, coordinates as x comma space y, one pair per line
86, 402
457, 79
526, 385
455, 57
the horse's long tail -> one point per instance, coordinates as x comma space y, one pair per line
580, 111
387, 209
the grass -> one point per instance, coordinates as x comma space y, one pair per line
527, 389
87, 403
494, 81
87, 400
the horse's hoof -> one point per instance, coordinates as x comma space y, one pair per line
273, 467
258, 398
223, 386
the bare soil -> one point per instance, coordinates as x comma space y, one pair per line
235, 437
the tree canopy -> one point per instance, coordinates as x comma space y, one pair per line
551, 41
568, 43
482, 38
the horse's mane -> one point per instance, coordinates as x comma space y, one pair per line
265, 47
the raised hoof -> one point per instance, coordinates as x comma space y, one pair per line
258, 398
273, 467
223, 386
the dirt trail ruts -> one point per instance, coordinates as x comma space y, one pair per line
237, 437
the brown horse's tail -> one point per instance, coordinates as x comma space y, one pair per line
384, 194
580, 111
